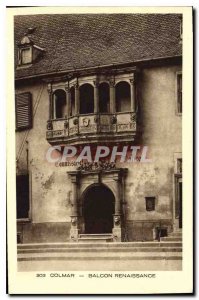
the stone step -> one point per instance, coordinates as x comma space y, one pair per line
96, 235
100, 245
95, 240
126, 256
102, 250
86, 238
99, 256
143, 265
171, 239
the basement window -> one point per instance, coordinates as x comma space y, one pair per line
160, 232
150, 203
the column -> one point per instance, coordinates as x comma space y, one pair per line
117, 197
133, 94
112, 96
117, 229
49, 88
54, 99
96, 97
74, 196
68, 101
74, 231
77, 98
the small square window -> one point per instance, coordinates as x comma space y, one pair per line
150, 203
179, 165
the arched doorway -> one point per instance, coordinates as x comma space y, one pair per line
98, 209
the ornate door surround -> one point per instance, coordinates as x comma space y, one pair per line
114, 179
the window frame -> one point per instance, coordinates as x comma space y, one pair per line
147, 198
20, 60
177, 93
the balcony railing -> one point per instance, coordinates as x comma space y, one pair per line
92, 128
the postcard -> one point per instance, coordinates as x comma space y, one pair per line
99, 150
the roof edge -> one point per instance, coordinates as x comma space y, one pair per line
64, 72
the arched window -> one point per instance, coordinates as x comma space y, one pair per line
59, 99
123, 96
86, 99
72, 101
104, 97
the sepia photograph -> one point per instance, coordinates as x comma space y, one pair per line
98, 106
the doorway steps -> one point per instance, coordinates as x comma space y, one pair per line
85, 238
166, 255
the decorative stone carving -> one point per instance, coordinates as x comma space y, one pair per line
91, 166
49, 88
114, 119
75, 121
76, 85
86, 122
74, 221
112, 82
96, 83
49, 125
133, 117
117, 220
96, 119
132, 81
65, 124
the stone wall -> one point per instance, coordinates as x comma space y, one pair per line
51, 185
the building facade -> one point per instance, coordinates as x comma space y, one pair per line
98, 80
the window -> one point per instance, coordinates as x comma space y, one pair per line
150, 203
178, 193
59, 104
22, 194
72, 100
179, 93
23, 109
179, 165
26, 56
86, 99
123, 97
104, 98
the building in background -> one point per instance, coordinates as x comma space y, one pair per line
109, 80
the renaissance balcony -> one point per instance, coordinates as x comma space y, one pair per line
95, 109
93, 128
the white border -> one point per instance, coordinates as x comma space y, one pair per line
3, 95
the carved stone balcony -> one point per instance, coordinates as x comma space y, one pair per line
93, 128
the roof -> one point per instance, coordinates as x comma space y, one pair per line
75, 41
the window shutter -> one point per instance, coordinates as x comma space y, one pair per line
23, 111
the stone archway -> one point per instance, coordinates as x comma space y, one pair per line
98, 209
83, 183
